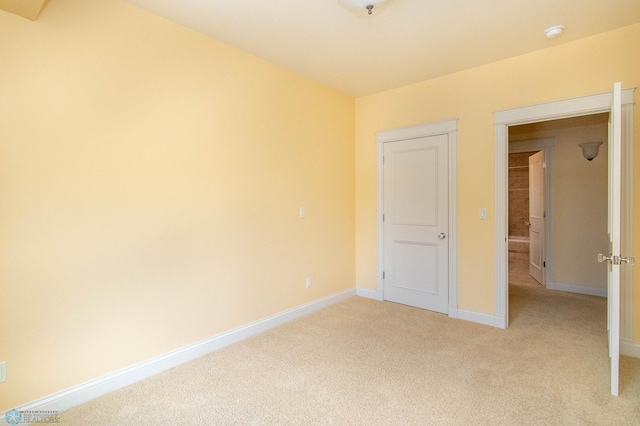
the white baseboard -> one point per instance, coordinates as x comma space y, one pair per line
500, 321
92, 389
577, 288
629, 348
369, 294
479, 317
452, 311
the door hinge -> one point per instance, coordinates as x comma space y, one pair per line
383, 160
544, 214
544, 164
383, 217
544, 264
383, 275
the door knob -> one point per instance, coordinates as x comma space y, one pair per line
442, 236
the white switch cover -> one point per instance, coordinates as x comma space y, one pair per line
482, 213
301, 211
309, 282
3, 372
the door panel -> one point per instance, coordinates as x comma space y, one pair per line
414, 172
416, 222
536, 216
613, 277
615, 259
416, 266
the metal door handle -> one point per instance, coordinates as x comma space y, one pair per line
616, 260
527, 223
442, 236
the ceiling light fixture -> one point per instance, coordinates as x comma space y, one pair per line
554, 31
367, 5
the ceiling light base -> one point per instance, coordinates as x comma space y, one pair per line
362, 5
553, 32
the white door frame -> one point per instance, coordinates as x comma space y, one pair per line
443, 127
584, 105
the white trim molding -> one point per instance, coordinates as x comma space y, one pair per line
92, 389
479, 317
369, 294
448, 127
584, 105
414, 132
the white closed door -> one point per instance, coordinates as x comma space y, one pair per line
415, 222
536, 216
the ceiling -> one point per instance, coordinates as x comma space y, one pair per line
403, 43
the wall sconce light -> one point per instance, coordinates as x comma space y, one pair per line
590, 149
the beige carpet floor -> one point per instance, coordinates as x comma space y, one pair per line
362, 362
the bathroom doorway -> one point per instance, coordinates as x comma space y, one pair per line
519, 218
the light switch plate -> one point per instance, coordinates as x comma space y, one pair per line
482, 213
3, 372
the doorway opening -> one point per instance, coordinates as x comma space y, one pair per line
575, 107
518, 242
571, 198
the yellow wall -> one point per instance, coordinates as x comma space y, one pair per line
581, 208
583, 67
150, 181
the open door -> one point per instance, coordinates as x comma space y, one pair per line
536, 216
614, 259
